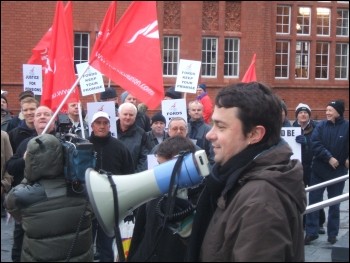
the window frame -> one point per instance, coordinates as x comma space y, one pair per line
213, 66
231, 55
173, 53
80, 47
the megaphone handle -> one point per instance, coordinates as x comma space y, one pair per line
118, 237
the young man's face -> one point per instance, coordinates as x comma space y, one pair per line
226, 135
28, 110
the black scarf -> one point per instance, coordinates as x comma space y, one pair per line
221, 180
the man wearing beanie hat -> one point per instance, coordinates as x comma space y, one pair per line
157, 133
330, 145
338, 105
303, 120
203, 97
110, 94
171, 94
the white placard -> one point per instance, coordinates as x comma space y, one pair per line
91, 82
106, 106
187, 77
289, 134
174, 108
33, 78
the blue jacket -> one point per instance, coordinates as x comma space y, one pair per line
330, 140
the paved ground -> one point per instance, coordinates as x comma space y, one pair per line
319, 250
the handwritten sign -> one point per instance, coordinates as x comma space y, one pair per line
91, 82
33, 78
187, 77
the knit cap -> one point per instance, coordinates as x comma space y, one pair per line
158, 117
203, 86
302, 107
123, 96
338, 105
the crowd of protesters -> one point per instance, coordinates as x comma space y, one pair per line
251, 177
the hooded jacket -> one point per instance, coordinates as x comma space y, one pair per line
257, 215
50, 212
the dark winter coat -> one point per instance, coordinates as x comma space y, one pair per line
135, 139
330, 140
112, 155
50, 212
17, 135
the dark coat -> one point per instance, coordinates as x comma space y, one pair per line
330, 140
50, 212
135, 139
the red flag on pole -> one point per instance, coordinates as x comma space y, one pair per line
59, 74
131, 55
250, 74
106, 27
40, 51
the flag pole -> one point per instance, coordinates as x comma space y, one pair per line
65, 99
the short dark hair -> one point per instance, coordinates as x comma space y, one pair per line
172, 146
257, 105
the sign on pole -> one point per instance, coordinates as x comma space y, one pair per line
91, 82
33, 78
187, 77
174, 108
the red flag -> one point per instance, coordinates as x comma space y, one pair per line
40, 51
59, 74
131, 55
250, 74
106, 27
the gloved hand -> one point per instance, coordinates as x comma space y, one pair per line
301, 139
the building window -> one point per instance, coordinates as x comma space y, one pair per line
322, 60
171, 49
282, 59
231, 57
283, 19
343, 22
323, 21
209, 56
81, 48
341, 61
302, 54
303, 21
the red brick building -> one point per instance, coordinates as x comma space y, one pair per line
302, 47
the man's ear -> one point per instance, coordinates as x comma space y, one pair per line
257, 134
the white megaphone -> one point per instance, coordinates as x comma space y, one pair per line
136, 189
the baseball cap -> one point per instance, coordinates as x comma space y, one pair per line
100, 114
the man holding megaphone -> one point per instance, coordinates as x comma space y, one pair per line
161, 238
